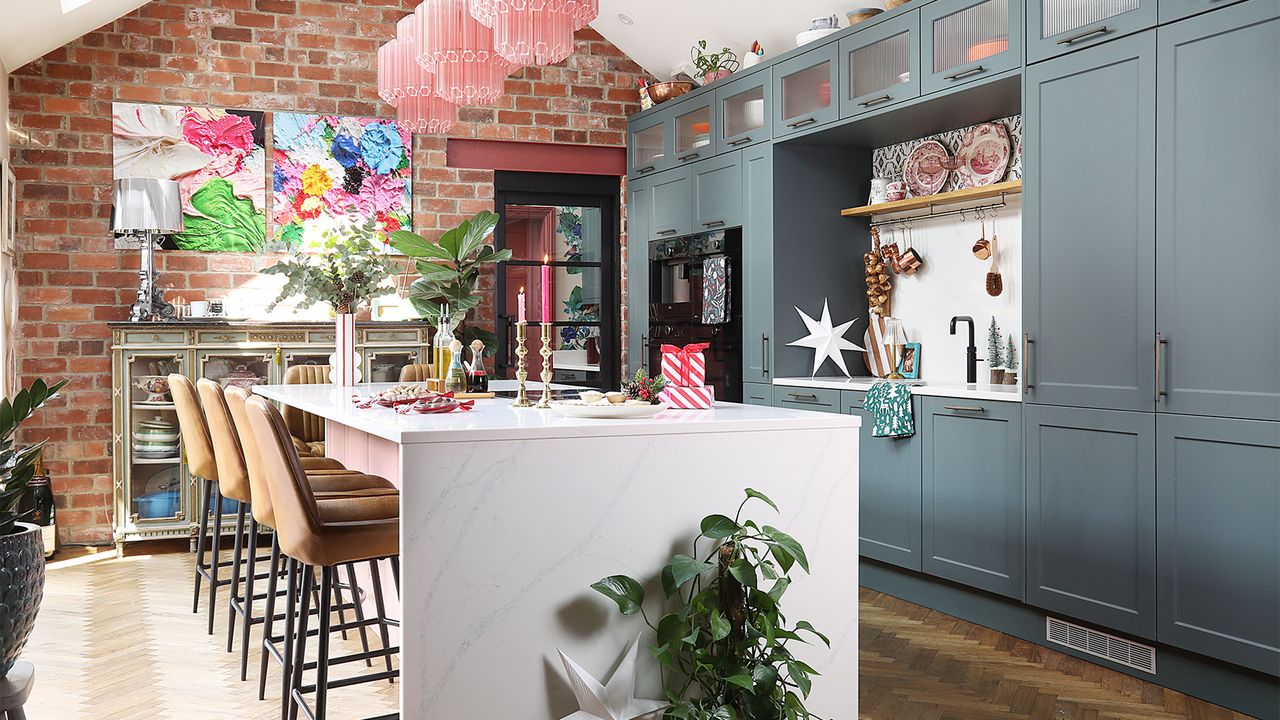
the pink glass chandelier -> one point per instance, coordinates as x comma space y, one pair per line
534, 32
468, 69
409, 87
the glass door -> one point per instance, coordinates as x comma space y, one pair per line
576, 233
153, 444
965, 40
881, 65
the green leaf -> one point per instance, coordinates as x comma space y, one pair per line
719, 526
795, 670
683, 569
414, 245
765, 676
784, 558
430, 270
778, 589
744, 572
451, 240
804, 625
719, 626
768, 570
479, 228
742, 680
761, 496
724, 712
788, 543
626, 592
671, 630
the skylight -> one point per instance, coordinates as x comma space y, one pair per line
70, 5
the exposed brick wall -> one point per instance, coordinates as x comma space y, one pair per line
292, 55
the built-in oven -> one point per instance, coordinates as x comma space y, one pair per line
695, 297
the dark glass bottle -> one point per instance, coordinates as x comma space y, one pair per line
477, 378
43, 511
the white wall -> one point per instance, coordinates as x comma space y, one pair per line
953, 282
4, 112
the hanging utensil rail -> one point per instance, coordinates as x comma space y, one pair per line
944, 213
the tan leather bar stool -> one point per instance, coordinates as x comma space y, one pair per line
319, 536
329, 490
416, 373
306, 429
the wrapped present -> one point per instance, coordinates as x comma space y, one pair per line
685, 366
688, 398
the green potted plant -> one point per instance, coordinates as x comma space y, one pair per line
449, 271
713, 66
21, 545
724, 643
345, 269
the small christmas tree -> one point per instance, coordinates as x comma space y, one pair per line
1011, 353
995, 358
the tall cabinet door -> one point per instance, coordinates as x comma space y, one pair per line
888, 490
1091, 507
1089, 225
1055, 27
757, 263
1218, 538
972, 504
672, 212
717, 192
639, 232
1225, 64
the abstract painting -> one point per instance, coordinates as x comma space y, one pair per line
218, 158
338, 174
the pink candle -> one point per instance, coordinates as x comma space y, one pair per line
520, 318
546, 290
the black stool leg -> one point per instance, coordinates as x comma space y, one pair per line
300, 650
237, 555
291, 601
215, 501
380, 606
359, 608
246, 606
201, 541
268, 620
337, 593
328, 575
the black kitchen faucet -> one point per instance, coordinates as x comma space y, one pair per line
971, 358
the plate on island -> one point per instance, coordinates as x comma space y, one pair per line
611, 411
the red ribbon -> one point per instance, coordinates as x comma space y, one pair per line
684, 358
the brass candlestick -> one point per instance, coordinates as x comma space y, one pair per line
522, 371
544, 403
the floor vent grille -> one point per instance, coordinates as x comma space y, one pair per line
1116, 649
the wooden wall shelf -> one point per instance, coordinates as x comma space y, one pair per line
941, 199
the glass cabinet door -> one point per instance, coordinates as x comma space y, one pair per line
693, 123
384, 364
152, 443
650, 145
802, 90
242, 368
1058, 26
744, 111
966, 40
880, 65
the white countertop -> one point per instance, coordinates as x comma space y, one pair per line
497, 420
980, 391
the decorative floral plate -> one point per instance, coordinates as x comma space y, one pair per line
983, 156
611, 411
925, 169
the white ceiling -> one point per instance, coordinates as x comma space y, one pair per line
32, 28
664, 30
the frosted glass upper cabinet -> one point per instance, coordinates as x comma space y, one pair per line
1058, 26
649, 149
743, 111
693, 121
967, 40
802, 91
880, 66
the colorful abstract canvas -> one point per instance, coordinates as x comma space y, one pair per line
336, 173
218, 158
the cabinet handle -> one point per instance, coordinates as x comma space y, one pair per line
805, 397
740, 141
764, 354
646, 169
1027, 342
1162, 343
1086, 34
965, 73
875, 101
644, 342
690, 156
713, 224
802, 123
964, 408
666, 232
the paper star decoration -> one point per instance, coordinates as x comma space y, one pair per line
615, 700
826, 341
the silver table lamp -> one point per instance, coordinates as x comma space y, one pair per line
146, 207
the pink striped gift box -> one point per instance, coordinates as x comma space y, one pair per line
688, 398
685, 366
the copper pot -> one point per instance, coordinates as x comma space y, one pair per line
664, 91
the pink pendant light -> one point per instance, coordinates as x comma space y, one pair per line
409, 87
534, 32
468, 70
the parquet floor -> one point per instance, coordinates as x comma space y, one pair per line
116, 640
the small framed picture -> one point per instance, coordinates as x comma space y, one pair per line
909, 367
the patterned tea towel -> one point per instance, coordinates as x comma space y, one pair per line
715, 290
890, 407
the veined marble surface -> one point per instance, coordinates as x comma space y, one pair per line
980, 391
497, 420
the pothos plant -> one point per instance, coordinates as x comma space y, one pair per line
713, 65
725, 649
17, 464
450, 271
343, 270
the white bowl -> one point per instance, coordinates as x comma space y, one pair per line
809, 36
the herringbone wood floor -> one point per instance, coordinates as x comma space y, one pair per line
116, 639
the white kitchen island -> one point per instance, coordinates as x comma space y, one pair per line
508, 516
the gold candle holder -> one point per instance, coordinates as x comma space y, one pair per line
544, 402
522, 370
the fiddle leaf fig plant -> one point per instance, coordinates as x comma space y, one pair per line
725, 647
17, 464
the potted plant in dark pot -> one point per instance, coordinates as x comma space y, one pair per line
21, 545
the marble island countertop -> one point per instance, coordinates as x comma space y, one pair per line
980, 391
496, 420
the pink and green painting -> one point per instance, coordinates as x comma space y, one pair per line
218, 158
333, 175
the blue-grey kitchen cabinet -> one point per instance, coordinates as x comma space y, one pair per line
692, 121
1221, 339
972, 493
717, 192
1089, 227
744, 110
880, 66
804, 91
639, 232
966, 40
649, 144
757, 264
757, 394
1055, 27
672, 213
1091, 511
1218, 538
803, 398
888, 490
1171, 10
